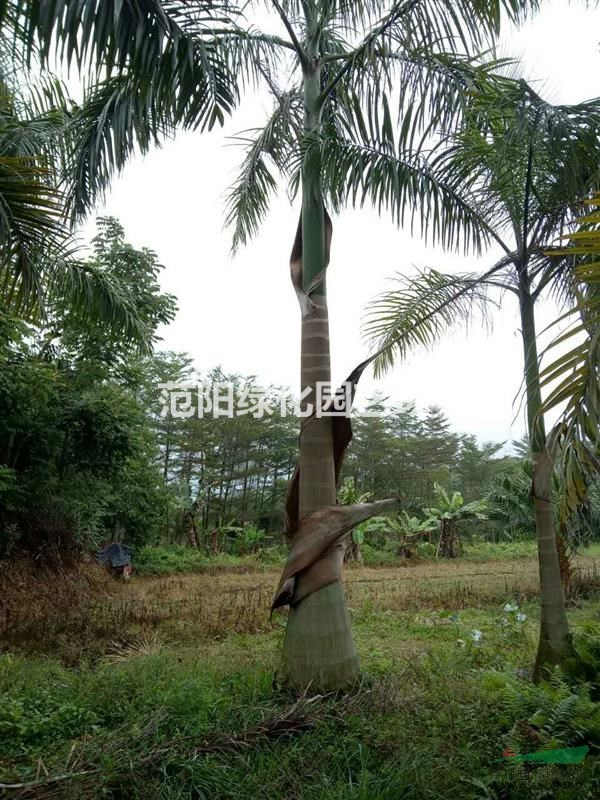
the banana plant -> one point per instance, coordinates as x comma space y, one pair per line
449, 512
348, 494
407, 529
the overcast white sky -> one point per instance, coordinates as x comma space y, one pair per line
242, 313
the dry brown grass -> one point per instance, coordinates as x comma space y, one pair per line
85, 612
30, 591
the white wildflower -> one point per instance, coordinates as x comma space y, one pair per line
521, 617
476, 635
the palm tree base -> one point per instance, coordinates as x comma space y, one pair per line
318, 651
552, 654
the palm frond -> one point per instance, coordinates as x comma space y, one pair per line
352, 16
31, 226
164, 66
419, 311
130, 112
117, 117
189, 49
403, 184
92, 297
424, 52
461, 24
273, 145
114, 35
573, 378
512, 140
31, 229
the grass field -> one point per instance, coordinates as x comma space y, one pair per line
166, 687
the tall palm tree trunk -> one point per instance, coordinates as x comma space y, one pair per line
555, 639
318, 647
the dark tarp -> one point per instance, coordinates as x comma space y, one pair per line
114, 555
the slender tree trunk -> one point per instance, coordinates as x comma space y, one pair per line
207, 508
263, 490
274, 490
192, 532
318, 647
244, 506
555, 640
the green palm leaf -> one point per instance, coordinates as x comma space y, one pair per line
420, 310
274, 145
405, 185
573, 377
31, 229
90, 296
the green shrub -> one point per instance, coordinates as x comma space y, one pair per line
176, 559
32, 722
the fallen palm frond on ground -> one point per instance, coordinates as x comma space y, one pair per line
297, 718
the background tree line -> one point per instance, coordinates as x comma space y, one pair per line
233, 471
86, 454
227, 473
77, 455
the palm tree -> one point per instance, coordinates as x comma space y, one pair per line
348, 112
40, 274
523, 163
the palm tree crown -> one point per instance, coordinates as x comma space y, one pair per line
159, 65
522, 164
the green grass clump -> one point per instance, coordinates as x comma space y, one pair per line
480, 550
177, 559
472, 550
